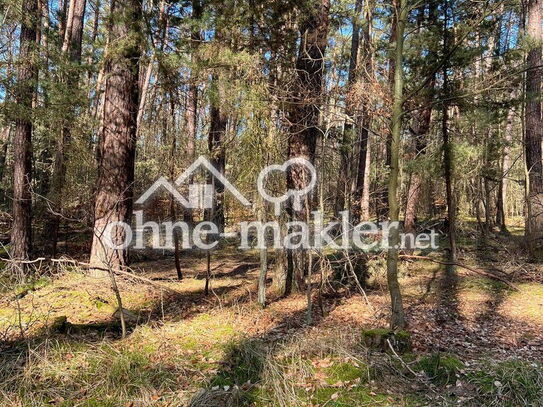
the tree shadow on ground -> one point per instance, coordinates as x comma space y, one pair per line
168, 306
243, 366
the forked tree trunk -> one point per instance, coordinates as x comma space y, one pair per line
118, 139
304, 118
27, 75
397, 320
71, 47
534, 131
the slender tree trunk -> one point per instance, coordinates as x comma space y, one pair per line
501, 213
191, 110
397, 320
4, 143
348, 139
448, 159
534, 131
419, 130
27, 75
262, 276
217, 133
383, 204
71, 47
365, 199
144, 88
173, 169
118, 139
304, 118
361, 193
63, 12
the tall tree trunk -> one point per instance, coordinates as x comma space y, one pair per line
173, 169
144, 88
7, 130
191, 117
217, 133
4, 142
361, 193
420, 127
501, 213
365, 199
397, 320
534, 131
71, 48
448, 159
304, 117
347, 141
27, 75
419, 130
118, 139
382, 203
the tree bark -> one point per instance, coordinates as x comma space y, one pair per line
361, 194
397, 320
419, 130
27, 75
4, 141
217, 133
534, 131
118, 139
191, 117
501, 212
304, 118
448, 159
348, 130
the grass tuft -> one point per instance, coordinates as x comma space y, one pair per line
509, 383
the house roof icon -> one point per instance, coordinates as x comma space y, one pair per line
200, 196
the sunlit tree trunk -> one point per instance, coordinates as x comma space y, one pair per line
448, 158
27, 75
397, 320
118, 139
361, 193
191, 109
419, 130
217, 132
349, 128
501, 213
304, 117
534, 131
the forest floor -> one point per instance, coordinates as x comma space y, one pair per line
476, 340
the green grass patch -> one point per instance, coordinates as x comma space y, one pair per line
509, 383
441, 369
